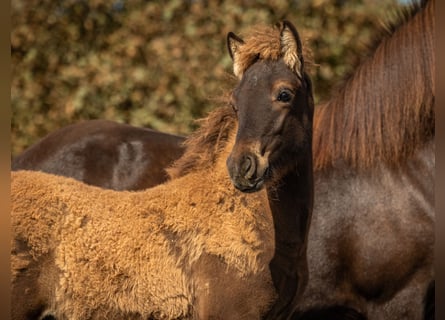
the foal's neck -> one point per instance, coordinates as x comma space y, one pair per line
291, 206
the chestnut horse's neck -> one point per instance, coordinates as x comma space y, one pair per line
385, 109
291, 203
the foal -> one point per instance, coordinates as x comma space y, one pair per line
194, 247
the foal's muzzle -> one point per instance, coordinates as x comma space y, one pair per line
247, 172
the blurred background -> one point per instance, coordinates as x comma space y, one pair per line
160, 64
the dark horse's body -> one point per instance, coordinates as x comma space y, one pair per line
372, 231
373, 251
371, 237
104, 153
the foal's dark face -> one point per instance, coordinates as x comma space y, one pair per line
274, 111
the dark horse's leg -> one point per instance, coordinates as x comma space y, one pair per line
429, 302
331, 313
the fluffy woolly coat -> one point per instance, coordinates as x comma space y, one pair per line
142, 254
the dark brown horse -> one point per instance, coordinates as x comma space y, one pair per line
193, 247
105, 154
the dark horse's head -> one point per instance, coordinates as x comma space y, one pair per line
274, 106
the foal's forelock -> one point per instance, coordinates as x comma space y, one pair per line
269, 43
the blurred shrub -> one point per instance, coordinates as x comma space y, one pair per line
158, 63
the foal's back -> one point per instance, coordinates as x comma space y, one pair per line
156, 251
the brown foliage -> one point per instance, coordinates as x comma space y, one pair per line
154, 63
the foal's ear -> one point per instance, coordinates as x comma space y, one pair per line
291, 48
234, 43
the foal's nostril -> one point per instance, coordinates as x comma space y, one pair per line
247, 163
248, 167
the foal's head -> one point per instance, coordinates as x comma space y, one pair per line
274, 106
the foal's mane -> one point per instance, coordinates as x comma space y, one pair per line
385, 108
205, 144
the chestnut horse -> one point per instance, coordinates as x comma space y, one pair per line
196, 246
371, 238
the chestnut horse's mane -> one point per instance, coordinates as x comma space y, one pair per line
372, 119
385, 109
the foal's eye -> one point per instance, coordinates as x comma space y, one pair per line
284, 96
234, 107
